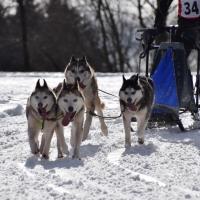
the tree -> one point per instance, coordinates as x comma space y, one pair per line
24, 34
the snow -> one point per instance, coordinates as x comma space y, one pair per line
166, 166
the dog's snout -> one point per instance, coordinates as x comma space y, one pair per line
70, 108
40, 104
78, 79
129, 100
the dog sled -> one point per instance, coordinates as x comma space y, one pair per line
175, 89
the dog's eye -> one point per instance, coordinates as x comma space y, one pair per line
65, 100
125, 92
45, 97
133, 92
81, 71
73, 71
75, 100
36, 97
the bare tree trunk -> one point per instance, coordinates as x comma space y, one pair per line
103, 31
115, 32
24, 35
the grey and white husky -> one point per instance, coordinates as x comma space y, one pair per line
79, 70
41, 113
136, 100
71, 103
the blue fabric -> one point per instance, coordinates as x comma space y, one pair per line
165, 81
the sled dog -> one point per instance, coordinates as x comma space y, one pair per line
71, 103
79, 70
136, 100
41, 113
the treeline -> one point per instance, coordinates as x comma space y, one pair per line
43, 37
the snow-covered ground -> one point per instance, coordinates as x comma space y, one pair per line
166, 167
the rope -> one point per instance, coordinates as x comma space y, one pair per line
139, 64
101, 117
56, 118
108, 93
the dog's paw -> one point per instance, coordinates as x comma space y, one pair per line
140, 140
60, 155
45, 156
75, 156
104, 129
84, 137
35, 151
34, 148
127, 145
65, 150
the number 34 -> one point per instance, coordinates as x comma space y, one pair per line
191, 8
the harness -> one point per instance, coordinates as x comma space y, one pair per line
41, 122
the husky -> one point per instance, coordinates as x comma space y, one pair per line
41, 113
71, 103
136, 98
79, 70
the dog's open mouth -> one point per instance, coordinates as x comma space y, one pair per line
42, 112
81, 85
132, 106
69, 116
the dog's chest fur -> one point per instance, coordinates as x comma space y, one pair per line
91, 89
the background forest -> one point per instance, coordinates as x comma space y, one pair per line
43, 35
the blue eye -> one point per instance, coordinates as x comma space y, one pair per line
65, 100
75, 100
133, 92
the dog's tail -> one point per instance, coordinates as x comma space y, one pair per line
102, 105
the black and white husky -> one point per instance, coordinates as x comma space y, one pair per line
136, 100
71, 103
79, 70
41, 113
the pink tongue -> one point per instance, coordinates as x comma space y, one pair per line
82, 86
132, 107
44, 113
66, 120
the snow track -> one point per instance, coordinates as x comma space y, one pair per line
166, 167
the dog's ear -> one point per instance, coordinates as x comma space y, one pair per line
75, 85
45, 84
137, 77
64, 85
73, 59
38, 84
83, 59
124, 79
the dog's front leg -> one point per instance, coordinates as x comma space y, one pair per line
127, 127
61, 144
60, 153
142, 121
33, 140
42, 143
48, 136
88, 122
78, 131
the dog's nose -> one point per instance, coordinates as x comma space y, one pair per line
70, 108
40, 104
78, 79
129, 100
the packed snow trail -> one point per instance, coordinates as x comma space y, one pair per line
166, 167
